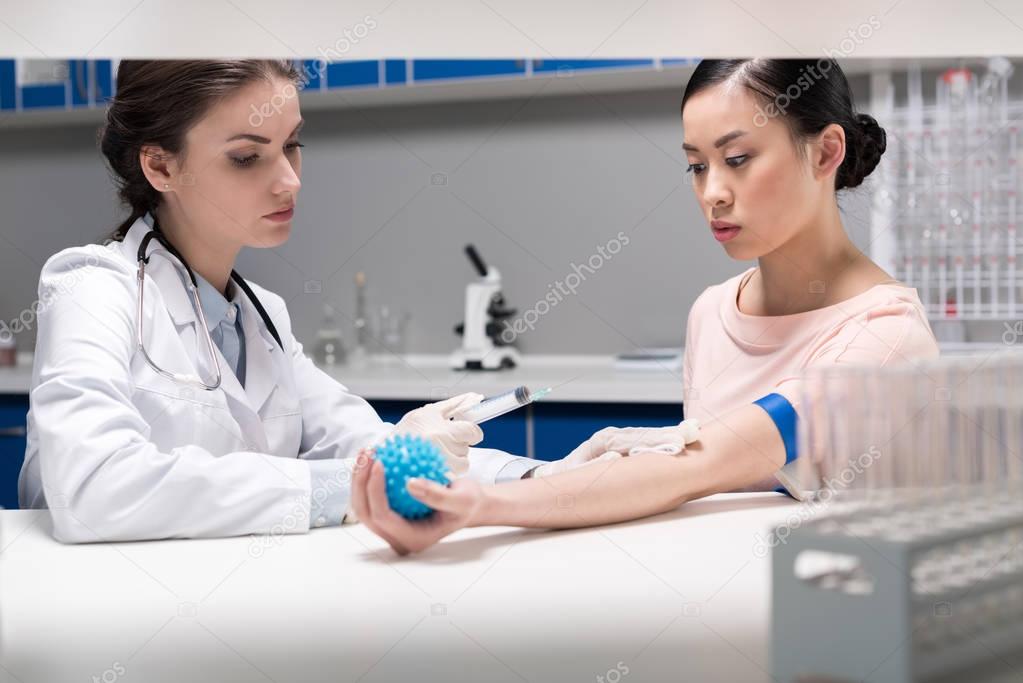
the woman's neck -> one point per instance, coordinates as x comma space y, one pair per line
802, 274
208, 258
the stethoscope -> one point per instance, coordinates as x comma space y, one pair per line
193, 289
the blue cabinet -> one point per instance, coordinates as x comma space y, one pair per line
353, 74
506, 433
13, 411
8, 84
560, 427
89, 83
395, 72
573, 65
313, 72
452, 69
555, 429
70, 84
43, 95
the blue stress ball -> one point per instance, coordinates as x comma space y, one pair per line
404, 457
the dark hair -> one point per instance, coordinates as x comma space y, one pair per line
157, 102
809, 94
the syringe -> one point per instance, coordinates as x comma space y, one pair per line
495, 406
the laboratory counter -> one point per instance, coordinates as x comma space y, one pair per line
428, 377
679, 596
575, 379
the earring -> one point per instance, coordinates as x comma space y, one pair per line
166, 186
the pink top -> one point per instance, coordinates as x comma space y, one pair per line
732, 358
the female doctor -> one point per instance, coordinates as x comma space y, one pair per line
169, 397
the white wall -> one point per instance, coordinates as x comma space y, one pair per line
535, 184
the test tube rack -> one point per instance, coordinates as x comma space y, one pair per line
900, 588
948, 186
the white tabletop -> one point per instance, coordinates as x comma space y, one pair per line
680, 596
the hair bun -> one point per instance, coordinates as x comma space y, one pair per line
863, 150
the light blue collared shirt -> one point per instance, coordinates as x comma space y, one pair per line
224, 318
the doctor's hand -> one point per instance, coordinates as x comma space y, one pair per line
614, 442
454, 506
453, 437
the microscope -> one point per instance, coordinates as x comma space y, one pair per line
482, 345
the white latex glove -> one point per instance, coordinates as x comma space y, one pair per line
614, 442
453, 437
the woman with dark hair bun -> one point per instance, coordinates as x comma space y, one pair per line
770, 144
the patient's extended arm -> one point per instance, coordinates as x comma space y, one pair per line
732, 452
741, 448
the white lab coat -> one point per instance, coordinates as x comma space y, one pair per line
119, 452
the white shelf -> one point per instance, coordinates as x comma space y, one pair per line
588, 81
576, 379
582, 82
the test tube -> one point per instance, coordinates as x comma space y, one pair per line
811, 464
963, 433
992, 460
935, 442
946, 310
1013, 437
972, 404
974, 140
878, 398
992, 426
917, 167
495, 406
925, 276
942, 470
1013, 401
977, 247
1010, 238
1013, 162
1011, 227
854, 433
815, 433
993, 282
921, 460
906, 421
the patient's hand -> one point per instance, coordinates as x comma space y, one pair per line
454, 506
